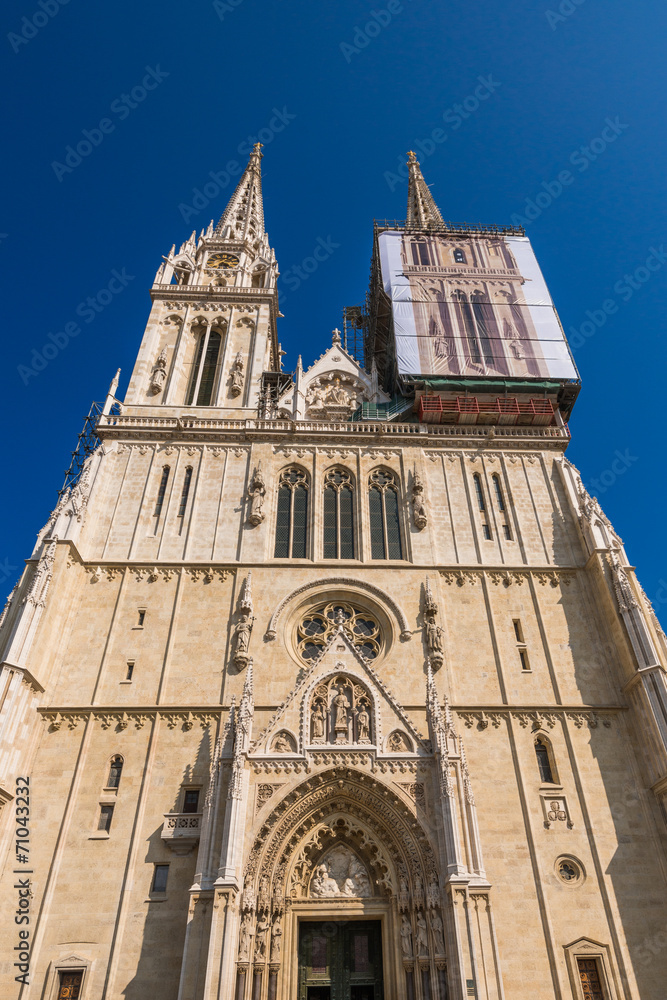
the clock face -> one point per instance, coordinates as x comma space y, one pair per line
222, 261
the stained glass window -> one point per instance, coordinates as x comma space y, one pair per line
384, 516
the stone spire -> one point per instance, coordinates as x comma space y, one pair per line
243, 219
422, 209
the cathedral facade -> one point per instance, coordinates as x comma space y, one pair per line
328, 685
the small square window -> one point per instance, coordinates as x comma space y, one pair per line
106, 814
69, 985
191, 800
160, 876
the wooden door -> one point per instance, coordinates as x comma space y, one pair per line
340, 961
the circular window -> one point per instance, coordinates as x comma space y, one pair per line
569, 871
316, 628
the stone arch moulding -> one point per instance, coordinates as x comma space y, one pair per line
340, 582
336, 806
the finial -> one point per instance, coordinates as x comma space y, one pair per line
413, 156
335, 338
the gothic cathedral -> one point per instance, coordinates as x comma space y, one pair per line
336, 684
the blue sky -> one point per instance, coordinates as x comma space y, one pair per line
339, 94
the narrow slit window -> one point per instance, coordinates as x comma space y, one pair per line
478, 490
384, 516
130, 670
292, 516
185, 491
507, 533
487, 532
338, 541
161, 491
544, 762
106, 815
523, 656
115, 771
518, 631
160, 876
141, 618
499, 493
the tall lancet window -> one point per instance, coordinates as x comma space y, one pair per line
204, 369
338, 515
292, 519
384, 516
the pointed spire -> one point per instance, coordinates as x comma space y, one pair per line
422, 209
244, 216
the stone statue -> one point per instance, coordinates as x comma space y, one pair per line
340, 705
323, 884
418, 507
244, 938
276, 940
421, 940
158, 375
256, 494
260, 937
281, 744
436, 928
242, 640
363, 724
434, 636
319, 720
236, 376
406, 937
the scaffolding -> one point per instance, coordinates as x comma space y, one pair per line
87, 442
355, 332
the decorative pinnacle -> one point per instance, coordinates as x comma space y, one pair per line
335, 336
422, 210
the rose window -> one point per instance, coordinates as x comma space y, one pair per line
317, 627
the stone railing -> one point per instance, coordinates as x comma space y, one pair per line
181, 831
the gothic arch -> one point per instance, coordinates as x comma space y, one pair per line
341, 583
351, 806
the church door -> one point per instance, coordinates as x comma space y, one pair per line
340, 961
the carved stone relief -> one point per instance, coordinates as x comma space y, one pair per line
340, 712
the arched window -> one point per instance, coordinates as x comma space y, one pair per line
384, 518
292, 519
544, 760
420, 252
161, 491
204, 369
115, 771
460, 257
467, 326
185, 491
338, 515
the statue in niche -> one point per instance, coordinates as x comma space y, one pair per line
276, 940
363, 724
397, 743
434, 637
319, 722
260, 936
340, 707
256, 494
244, 938
282, 744
421, 940
406, 937
236, 376
158, 375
